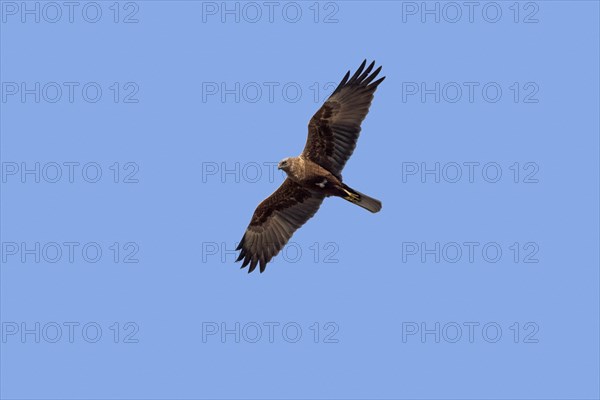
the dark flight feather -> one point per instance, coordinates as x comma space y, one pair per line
334, 129
274, 222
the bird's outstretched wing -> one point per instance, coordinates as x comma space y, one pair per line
274, 222
334, 129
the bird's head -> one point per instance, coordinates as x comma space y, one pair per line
284, 164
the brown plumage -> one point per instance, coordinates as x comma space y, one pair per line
317, 173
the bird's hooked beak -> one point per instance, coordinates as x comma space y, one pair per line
279, 165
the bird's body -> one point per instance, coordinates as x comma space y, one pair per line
309, 174
314, 174
313, 177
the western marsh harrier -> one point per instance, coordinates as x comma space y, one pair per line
316, 173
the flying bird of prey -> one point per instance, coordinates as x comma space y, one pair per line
316, 173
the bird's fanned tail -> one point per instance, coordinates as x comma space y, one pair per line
361, 199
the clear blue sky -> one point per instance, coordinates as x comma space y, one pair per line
478, 279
